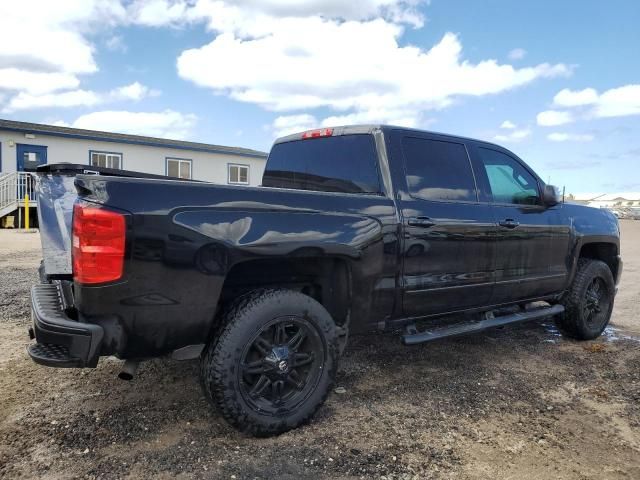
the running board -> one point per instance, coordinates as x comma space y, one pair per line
413, 337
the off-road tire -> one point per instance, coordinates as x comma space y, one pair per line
575, 321
223, 359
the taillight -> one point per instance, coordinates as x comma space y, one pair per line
320, 132
98, 244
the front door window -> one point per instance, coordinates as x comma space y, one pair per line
509, 181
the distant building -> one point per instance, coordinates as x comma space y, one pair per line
25, 146
610, 200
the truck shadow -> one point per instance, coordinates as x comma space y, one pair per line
373, 368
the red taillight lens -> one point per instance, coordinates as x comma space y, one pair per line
98, 244
321, 132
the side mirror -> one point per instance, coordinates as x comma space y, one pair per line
551, 195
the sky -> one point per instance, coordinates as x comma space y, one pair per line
556, 82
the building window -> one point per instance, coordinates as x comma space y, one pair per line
179, 168
105, 159
238, 174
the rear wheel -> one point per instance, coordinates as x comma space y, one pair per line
589, 302
273, 363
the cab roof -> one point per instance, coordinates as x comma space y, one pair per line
370, 129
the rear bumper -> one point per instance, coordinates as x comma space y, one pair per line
61, 341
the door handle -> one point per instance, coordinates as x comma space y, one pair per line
509, 223
424, 222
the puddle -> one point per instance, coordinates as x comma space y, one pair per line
552, 331
612, 334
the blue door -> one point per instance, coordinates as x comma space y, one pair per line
30, 157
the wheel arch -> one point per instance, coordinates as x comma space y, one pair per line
605, 251
327, 279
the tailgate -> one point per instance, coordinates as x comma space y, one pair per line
56, 195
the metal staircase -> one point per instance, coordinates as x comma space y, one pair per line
14, 187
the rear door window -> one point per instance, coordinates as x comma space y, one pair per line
344, 163
438, 170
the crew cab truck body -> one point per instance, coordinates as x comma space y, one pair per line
354, 229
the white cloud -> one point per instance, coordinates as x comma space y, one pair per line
517, 54
47, 47
35, 82
157, 13
43, 45
167, 124
615, 102
569, 137
318, 55
574, 98
78, 98
134, 91
513, 137
619, 102
552, 118
26, 101
237, 15
116, 44
398, 116
255, 42
508, 125
288, 124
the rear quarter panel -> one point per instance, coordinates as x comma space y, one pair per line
186, 237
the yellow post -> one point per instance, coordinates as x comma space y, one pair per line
26, 212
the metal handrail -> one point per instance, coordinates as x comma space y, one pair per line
26, 186
15, 186
8, 189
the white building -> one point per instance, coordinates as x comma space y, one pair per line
625, 199
610, 200
25, 146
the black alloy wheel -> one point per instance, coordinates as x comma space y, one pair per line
281, 365
272, 362
589, 301
596, 303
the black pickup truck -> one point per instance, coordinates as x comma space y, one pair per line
354, 229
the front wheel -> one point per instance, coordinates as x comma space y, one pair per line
589, 301
273, 363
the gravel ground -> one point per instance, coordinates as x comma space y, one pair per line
519, 402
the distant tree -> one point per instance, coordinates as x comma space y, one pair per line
617, 204
571, 196
629, 203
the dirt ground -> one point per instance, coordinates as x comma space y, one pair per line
515, 403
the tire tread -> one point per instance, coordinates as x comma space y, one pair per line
212, 368
570, 323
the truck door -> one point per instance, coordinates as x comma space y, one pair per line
448, 234
532, 242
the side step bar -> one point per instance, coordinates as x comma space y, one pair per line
413, 337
